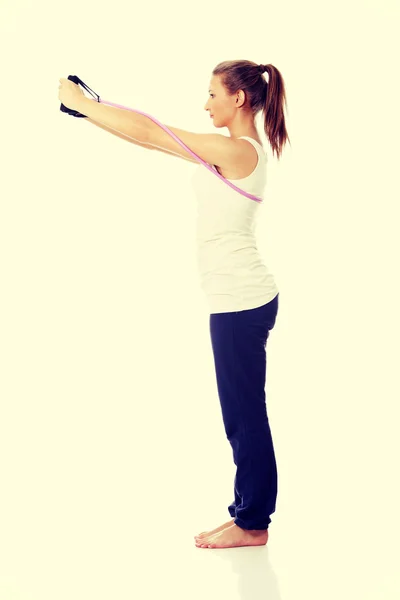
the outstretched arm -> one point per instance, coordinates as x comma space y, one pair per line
133, 141
125, 121
213, 148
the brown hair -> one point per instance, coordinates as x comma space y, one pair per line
269, 97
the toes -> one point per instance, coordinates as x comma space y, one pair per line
204, 544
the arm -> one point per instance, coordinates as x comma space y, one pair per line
134, 141
214, 149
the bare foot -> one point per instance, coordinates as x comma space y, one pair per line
205, 534
233, 537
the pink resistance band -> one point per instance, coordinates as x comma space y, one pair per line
78, 81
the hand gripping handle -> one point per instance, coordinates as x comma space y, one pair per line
70, 111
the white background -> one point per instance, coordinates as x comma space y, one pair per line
112, 447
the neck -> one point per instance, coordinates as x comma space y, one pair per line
248, 129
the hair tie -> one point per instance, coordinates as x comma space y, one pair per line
261, 68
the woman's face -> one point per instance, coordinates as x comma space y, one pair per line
217, 104
220, 105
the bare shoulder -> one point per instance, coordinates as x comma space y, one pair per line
246, 165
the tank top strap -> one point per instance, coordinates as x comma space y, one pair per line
252, 141
246, 137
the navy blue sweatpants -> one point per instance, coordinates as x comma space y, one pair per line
239, 345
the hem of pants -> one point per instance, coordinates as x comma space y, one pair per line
242, 525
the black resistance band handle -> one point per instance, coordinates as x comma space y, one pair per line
75, 113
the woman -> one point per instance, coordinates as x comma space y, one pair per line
242, 294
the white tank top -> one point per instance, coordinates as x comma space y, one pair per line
233, 275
